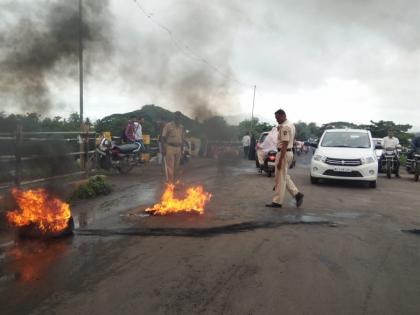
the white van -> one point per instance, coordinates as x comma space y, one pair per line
345, 154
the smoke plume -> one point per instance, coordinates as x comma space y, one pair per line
44, 45
189, 69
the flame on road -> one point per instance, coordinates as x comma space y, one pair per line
47, 213
194, 201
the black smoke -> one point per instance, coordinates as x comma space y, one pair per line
44, 45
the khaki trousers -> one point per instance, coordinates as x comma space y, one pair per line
283, 180
173, 158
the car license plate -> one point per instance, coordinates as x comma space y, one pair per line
342, 169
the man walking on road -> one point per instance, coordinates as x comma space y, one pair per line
172, 139
246, 142
284, 158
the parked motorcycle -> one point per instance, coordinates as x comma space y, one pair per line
119, 157
389, 162
413, 159
185, 153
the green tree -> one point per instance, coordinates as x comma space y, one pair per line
256, 126
380, 129
305, 131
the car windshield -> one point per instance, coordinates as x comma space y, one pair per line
346, 139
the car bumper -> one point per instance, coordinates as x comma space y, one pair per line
365, 172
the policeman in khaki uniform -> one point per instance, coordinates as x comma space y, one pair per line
284, 158
172, 139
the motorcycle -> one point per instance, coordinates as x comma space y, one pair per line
119, 157
389, 162
185, 153
269, 163
413, 159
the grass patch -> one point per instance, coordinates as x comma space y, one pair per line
96, 186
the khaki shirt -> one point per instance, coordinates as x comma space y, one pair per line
287, 132
173, 134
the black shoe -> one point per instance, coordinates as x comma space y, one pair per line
299, 199
273, 205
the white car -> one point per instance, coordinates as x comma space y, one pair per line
377, 142
345, 154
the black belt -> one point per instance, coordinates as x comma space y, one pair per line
288, 150
174, 145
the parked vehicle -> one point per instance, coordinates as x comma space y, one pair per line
119, 157
345, 154
413, 158
185, 152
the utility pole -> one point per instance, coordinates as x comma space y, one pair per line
83, 132
81, 61
252, 113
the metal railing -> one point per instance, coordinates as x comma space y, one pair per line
78, 144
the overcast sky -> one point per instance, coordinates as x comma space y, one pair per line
323, 60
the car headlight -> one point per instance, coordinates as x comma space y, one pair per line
368, 160
318, 157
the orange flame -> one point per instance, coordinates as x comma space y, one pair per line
194, 202
49, 214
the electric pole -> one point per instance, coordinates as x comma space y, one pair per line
252, 113
81, 61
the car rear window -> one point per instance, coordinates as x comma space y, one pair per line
346, 139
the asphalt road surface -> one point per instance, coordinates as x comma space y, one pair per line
343, 252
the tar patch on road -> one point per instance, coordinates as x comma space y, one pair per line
413, 231
206, 232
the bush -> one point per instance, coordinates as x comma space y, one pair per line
97, 185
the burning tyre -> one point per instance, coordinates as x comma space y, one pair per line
40, 215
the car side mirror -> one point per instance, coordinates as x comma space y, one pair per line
314, 145
378, 147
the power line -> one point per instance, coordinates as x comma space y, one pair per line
186, 50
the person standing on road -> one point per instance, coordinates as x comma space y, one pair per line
246, 142
138, 128
284, 158
391, 142
172, 139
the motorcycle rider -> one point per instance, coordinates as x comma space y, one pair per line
391, 142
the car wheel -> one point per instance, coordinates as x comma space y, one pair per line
372, 184
314, 180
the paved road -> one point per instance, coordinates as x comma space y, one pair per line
343, 252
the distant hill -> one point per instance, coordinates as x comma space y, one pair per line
152, 114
